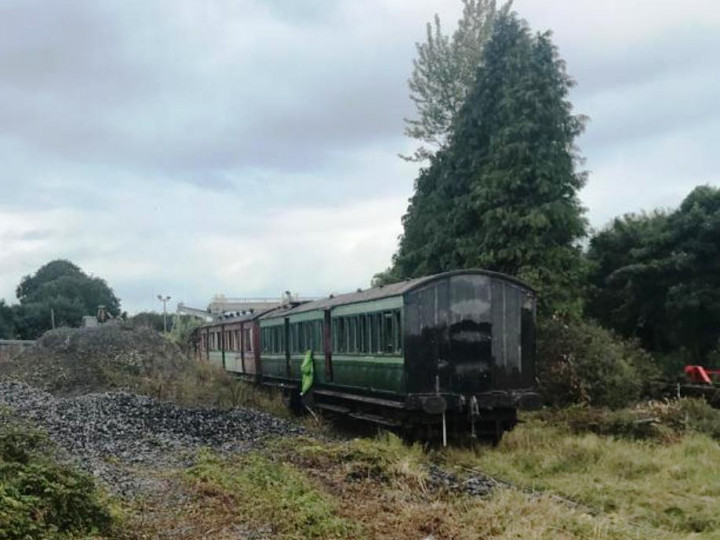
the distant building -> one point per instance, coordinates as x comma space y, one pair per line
221, 304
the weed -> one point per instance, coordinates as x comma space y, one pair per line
662, 488
664, 421
40, 498
269, 494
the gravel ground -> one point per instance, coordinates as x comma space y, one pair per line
109, 434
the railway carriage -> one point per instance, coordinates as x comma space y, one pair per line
452, 352
231, 342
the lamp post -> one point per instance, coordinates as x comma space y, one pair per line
164, 300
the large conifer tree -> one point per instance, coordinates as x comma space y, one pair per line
503, 194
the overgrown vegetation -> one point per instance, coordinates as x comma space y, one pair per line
580, 362
658, 488
273, 495
40, 498
653, 420
552, 484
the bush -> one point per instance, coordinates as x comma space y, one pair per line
581, 363
40, 498
660, 420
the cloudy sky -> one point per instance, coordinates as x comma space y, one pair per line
191, 147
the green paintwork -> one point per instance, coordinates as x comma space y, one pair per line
307, 316
384, 304
380, 373
273, 366
386, 373
367, 372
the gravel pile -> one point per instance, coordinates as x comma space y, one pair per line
73, 361
105, 433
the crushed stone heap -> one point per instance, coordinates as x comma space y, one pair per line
137, 430
73, 361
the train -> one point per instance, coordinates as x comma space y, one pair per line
450, 355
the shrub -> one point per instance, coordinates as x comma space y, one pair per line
660, 420
580, 362
40, 498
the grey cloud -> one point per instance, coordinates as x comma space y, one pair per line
100, 85
195, 147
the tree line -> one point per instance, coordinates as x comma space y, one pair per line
498, 189
58, 294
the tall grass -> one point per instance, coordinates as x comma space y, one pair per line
664, 489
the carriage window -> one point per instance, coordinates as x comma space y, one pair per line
292, 337
317, 330
307, 333
362, 341
388, 333
342, 330
280, 339
248, 339
398, 330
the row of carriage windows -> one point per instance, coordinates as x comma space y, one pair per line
230, 340
369, 333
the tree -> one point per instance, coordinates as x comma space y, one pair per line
444, 72
503, 194
7, 324
657, 276
151, 320
63, 289
628, 279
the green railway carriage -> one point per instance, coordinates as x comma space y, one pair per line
450, 352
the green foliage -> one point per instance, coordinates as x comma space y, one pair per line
271, 493
580, 362
65, 289
151, 320
664, 421
40, 498
503, 194
657, 276
7, 321
444, 72
182, 329
655, 490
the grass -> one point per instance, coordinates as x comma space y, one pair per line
666, 490
556, 481
204, 384
367, 488
41, 498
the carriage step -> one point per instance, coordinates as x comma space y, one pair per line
376, 419
332, 408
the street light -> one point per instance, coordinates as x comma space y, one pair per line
164, 300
